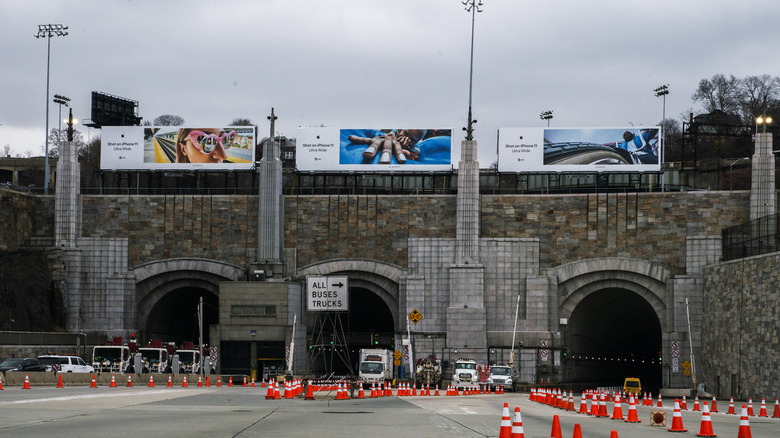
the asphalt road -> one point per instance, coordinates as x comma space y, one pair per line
244, 412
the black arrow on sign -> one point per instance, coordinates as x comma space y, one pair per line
339, 284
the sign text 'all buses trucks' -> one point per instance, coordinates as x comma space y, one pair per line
327, 293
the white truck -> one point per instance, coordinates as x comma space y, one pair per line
112, 359
465, 373
155, 360
376, 366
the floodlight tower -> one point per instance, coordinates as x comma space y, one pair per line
61, 100
662, 91
472, 6
546, 115
47, 31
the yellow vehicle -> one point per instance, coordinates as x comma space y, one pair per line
632, 386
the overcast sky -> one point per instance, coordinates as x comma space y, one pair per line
378, 63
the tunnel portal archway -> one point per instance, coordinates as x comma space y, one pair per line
174, 317
613, 334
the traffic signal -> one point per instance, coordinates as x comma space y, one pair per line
376, 339
332, 338
564, 350
660, 356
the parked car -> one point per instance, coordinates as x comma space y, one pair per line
22, 364
65, 364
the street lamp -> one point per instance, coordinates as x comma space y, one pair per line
472, 6
546, 115
763, 121
731, 171
47, 31
662, 91
61, 100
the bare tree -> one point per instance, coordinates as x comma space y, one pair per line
241, 122
5, 151
56, 136
719, 93
168, 120
759, 96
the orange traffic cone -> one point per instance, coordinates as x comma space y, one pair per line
262, 384
59, 381
269, 395
361, 394
762, 411
603, 406
594, 405
744, 425
517, 425
750, 407
617, 410
253, 382
26, 382
706, 422
151, 381
506, 423
776, 414
684, 404
277, 395
436, 393
677, 424
714, 406
660, 402
583, 404
613, 434
113, 382
244, 381
556, 428
94, 383
230, 382
632, 416
129, 381
1, 383
373, 390
219, 381
170, 381
184, 383
577, 431
207, 381
310, 392
696, 406
200, 382
731, 407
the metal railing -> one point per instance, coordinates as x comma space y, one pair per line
759, 236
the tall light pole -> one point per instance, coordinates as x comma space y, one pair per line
662, 91
472, 6
61, 100
47, 31
546, 115
763, 121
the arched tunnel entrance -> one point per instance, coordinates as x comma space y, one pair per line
612, 334
367, 324
174, 317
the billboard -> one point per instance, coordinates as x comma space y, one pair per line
177, 148
622, 149
373, 149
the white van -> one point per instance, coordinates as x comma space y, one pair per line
65, 364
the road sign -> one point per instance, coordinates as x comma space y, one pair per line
327, 293
396, 362
686, 364
397, 354
544, 343
544, 354
415, 316
675, 345
213, 353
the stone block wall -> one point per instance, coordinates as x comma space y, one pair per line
741, 327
